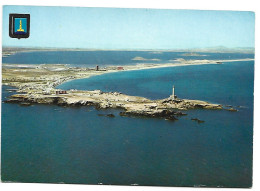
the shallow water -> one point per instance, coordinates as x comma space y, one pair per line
47, 143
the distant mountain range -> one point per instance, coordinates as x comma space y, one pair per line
218, 49
223, 49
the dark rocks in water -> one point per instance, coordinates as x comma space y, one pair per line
166, 114
172, 118
201, 121
198, 120
232, 109
123, 114
178, 113
107, 115
228, 105
12, 101
25, 104
110, 115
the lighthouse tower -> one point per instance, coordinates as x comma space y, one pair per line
173, 95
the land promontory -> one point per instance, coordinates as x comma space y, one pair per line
37, 84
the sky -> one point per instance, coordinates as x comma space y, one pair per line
114, 28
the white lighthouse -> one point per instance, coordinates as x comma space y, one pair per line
173, 95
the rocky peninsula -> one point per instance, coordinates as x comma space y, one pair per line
37, 84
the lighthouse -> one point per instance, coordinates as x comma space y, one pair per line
173, 95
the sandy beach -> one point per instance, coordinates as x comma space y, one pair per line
45, 77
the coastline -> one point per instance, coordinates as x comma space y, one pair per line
37, 84
112, 69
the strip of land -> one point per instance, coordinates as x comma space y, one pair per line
37, 84
7, 51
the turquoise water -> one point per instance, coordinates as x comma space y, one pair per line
47, 143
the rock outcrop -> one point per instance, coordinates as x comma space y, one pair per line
132, 105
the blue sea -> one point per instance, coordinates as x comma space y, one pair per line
49, 143
108, 58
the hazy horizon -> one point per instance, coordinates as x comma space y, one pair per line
206, 49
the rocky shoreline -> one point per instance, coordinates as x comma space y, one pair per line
132, 105
36, 85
